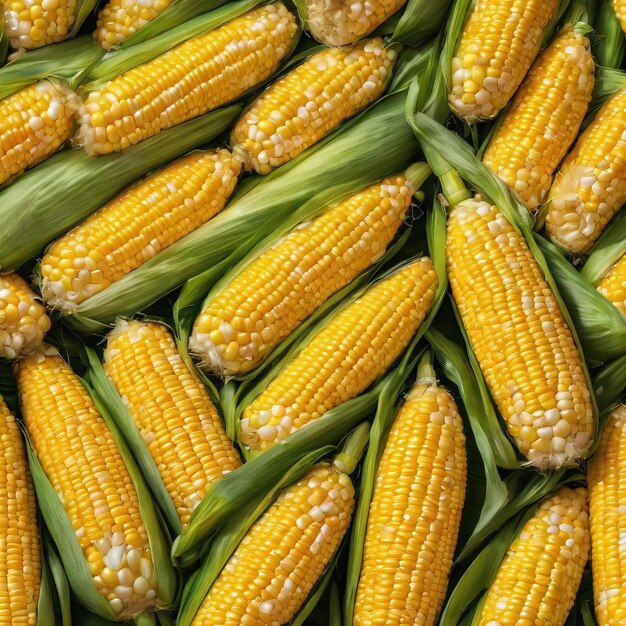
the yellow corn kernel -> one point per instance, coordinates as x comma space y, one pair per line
119, 19
136, 225
34, 123
341, 22
31, 24
195, 77
544, 118
274, 568
499, 42
608, 522
79, 456
415, 513
619, 6
590, 186
269, 299
172, 411
541, 572
20, 556
352, 350
613, 285
304, 106
519, 335
23, 320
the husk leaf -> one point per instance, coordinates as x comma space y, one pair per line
59, 579
420, 20
608, 250
608, 40
609, 384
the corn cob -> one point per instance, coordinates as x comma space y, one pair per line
20, 557
284, 285
77, 452
343, 358
23, 320
590, 186
619, 6
119, 19
34, 23
613, 285
540, 574
415, 513
499, 42
136, 225
277, 563
171, 409
193, 78
544, 118
34, 123
520, 337
341, 22
608, 525
304, 106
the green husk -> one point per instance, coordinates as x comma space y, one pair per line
119, 61
59, 580
120, 414
82, 11
437, 140
45, 601
179, 12
60, 528
345, 161
608, 41
607, 251
608, 82
262, 472
47, 201
226, 540
608, 384
68, 61
420, 20
600, 325
4, 42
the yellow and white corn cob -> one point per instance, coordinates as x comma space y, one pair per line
172, 411
305, 105
79, 456
34, 123
522, 342
20, 553
344, 358
269, 299
499, 42
23, 320
590, 186
613, 285
193, 78
415, 513
544, 118
537, 581
136, 225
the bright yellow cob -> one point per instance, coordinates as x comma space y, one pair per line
34, 123
119, 19
172, 410
343, 358
544, 118
613, 285
268, 300
415, 513
522, 342
193, 78
20, 554
77, 452
136, 225
608, 523
34, 23
277, 563
305, 105
590, 186
538, 579
499, 42
619, 6
340, 22
23, 320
